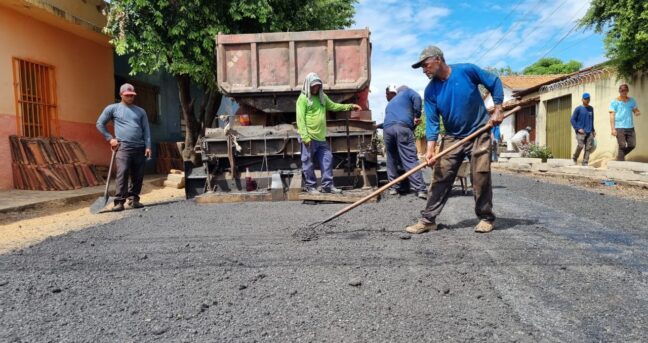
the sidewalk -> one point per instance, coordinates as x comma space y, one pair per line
19, 200
629, 173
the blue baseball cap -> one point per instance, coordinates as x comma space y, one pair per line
586, 96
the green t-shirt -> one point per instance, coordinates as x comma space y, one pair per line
311, 120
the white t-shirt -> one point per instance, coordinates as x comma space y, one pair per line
520, 136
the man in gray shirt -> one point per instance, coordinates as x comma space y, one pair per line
132, 141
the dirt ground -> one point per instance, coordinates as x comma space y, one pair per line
25, 228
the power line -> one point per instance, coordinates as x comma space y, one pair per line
540, 23
567, 34
506, 33
498, 26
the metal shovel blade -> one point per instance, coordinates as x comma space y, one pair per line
100, 204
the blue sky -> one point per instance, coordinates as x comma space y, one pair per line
488, 33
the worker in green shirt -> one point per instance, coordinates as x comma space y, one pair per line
311, 108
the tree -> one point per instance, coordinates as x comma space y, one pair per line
504, 71
626, 39
177, 36
551, 65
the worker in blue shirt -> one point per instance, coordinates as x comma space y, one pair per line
402, 113
453, 95
582, 121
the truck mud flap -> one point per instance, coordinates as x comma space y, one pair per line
195, 180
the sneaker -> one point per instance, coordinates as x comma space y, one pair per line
332, 190
422, 195
585, 164
421, 227
484, 226
393, 192
312, 191
118, 207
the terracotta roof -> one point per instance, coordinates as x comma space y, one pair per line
519, 82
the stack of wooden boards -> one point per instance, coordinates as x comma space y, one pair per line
50, 164
168, 158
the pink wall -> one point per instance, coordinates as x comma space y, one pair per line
84, 82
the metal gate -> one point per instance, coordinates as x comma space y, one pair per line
559, 126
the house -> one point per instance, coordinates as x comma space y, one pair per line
56, 74
557, 99
527, 115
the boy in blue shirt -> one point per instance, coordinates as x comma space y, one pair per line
621, 110
582, 121
453, 94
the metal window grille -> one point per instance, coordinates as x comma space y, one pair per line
35, 94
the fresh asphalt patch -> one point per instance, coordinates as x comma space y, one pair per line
562, 264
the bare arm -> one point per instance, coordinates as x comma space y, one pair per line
614, 131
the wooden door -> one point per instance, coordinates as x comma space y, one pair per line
526, 117
559, 127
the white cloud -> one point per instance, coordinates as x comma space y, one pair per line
400, 30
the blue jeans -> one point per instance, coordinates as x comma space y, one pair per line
399, 145
321, 152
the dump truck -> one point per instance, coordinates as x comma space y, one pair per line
257, 149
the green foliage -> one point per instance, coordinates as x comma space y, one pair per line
539, 151
550, 65
419, 130
626, 25
178, 36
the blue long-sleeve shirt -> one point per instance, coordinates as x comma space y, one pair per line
583, 118
403, 108
458, 101
130, 123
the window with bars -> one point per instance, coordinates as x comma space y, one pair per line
35, 93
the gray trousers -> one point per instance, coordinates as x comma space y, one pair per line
584, 142
445, 171
400, 146
130, 164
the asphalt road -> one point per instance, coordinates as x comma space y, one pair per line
562, 265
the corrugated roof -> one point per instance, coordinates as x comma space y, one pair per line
519, 82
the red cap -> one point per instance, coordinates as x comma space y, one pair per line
127, 89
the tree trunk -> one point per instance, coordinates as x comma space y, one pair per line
208, 109
192, 126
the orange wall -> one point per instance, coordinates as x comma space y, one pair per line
84, 81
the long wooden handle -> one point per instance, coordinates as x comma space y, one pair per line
112, 161
417, 168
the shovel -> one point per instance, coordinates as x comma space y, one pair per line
410, 172
101, 203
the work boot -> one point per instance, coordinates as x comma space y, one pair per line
393, 192
422, 195
484, 226
135, 204
118, 207
332, 190
421, 227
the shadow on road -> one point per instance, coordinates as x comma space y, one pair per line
500, 223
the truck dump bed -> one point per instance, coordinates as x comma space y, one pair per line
266, 70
